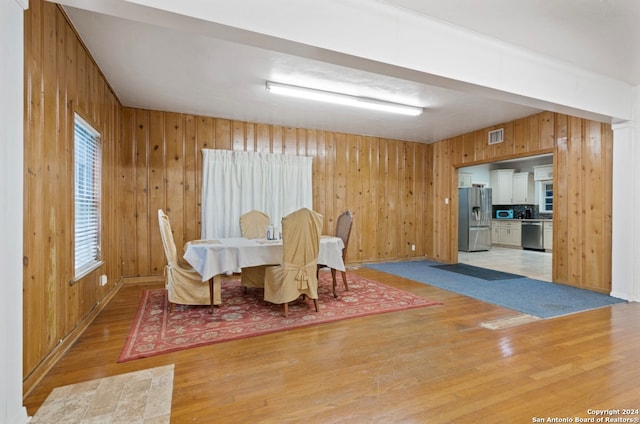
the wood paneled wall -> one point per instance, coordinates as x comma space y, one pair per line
60, 79
583, 162
384, 182
402, 193
583, 176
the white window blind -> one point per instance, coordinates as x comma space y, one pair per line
87, 177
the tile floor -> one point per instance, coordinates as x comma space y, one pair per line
530, 263
136, 397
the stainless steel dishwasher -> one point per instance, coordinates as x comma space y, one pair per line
532, 235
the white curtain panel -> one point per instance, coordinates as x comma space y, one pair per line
234, 183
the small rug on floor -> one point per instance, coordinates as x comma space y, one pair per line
154, 331
136, 397
526, 295
474, 271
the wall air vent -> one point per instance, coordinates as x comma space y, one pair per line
496, 136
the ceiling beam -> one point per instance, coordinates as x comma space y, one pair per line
379, 38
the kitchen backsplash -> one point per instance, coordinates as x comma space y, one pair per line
519, 211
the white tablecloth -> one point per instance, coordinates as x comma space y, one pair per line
220, 256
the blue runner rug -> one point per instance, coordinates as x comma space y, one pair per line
533, 297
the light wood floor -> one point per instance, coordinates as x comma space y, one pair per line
435, 365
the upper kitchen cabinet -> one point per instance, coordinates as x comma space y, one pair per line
543, 172
464, 179
512, 188
501, 181
523, 188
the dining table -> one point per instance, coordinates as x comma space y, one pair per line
214, 258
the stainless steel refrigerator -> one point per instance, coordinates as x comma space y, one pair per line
474, 219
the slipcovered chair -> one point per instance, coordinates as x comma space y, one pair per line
297, 275
253, 225
343, 230
184, 285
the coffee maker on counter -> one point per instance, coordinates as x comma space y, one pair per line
525, 214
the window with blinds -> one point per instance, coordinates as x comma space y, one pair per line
546, 204
87, 173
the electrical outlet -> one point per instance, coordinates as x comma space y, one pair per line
413, 247
103, 280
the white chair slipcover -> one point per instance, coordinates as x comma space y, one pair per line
184, 285
253, 225
296, 276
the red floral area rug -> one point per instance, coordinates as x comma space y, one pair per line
154, 331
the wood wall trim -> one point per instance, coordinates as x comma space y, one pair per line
31, 380
143, 280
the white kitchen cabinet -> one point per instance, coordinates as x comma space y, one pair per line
547, 235
523, 189
494, 232
543, 172
464, 179
504, 234
515, 234
502, 186
508, 233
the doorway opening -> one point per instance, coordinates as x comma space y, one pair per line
522, 195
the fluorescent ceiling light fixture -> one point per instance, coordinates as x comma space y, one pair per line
342, 99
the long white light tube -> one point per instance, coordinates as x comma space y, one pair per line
342, 99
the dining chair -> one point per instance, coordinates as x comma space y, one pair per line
296, 275
253, 225
184, 284
343, 230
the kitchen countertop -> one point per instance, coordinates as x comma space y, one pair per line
523, 220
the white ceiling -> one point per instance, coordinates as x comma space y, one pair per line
204, 68
599, 35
